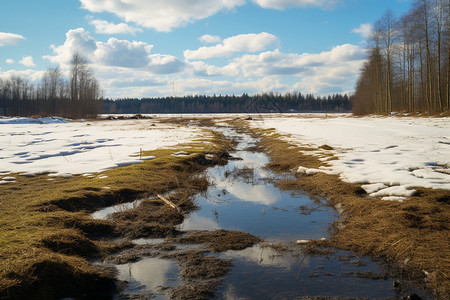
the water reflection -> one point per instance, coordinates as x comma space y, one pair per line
149, 276
266, 256
198, 222
264, 274
262, 194
104, 213
243, 199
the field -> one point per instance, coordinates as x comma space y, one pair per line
388, 177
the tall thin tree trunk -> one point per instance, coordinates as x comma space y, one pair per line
423, 93
448, 75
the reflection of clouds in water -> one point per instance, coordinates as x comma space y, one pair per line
151, 272
252, 158
196, 222
267, 257
261, 194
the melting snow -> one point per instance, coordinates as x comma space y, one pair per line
55, 145
388, 155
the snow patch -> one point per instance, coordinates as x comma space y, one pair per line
150, 157
394, 198
180, 153
373, 187
394, 191
404, 151
55, 145
302, 242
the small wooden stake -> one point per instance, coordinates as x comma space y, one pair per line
168, 202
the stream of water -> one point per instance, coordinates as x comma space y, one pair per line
243, 197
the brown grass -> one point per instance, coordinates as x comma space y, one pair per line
46, 232
220, 240
201, 275
414, 235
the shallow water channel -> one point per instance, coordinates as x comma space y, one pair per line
243, 197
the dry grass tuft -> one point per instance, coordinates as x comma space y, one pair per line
220, 240
201, 275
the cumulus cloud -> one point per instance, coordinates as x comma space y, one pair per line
203, 69
161, 15
27, 61
122, 53
9, 38
210, 39
114, 53
33, 76
278, 63
10, 61
363, 30
131, 69
77, 40
251, 42
320, 73
283, 4
104, 27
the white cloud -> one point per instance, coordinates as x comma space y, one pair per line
130, 68
326, 72
114, 53
210, 39
161, 15
27, 61
363, 30
9, 38
33, 76
202, 69
104, 27
278, 63
283, 4
10, 61
251, 42
77, 40
122, 53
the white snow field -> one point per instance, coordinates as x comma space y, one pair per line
388, 155
62, 148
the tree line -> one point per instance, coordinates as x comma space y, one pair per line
408, 67
260, 103
77, 96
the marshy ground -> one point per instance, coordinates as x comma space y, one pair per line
51, 247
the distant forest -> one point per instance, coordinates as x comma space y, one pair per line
408, 68
78, 96
261, 103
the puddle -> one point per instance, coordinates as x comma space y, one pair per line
261, 273
242, 198
149, 276
103, 214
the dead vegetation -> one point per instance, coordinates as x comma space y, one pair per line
414, 235
46, 233
201, 274
220, 240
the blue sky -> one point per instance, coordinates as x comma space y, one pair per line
151, 48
